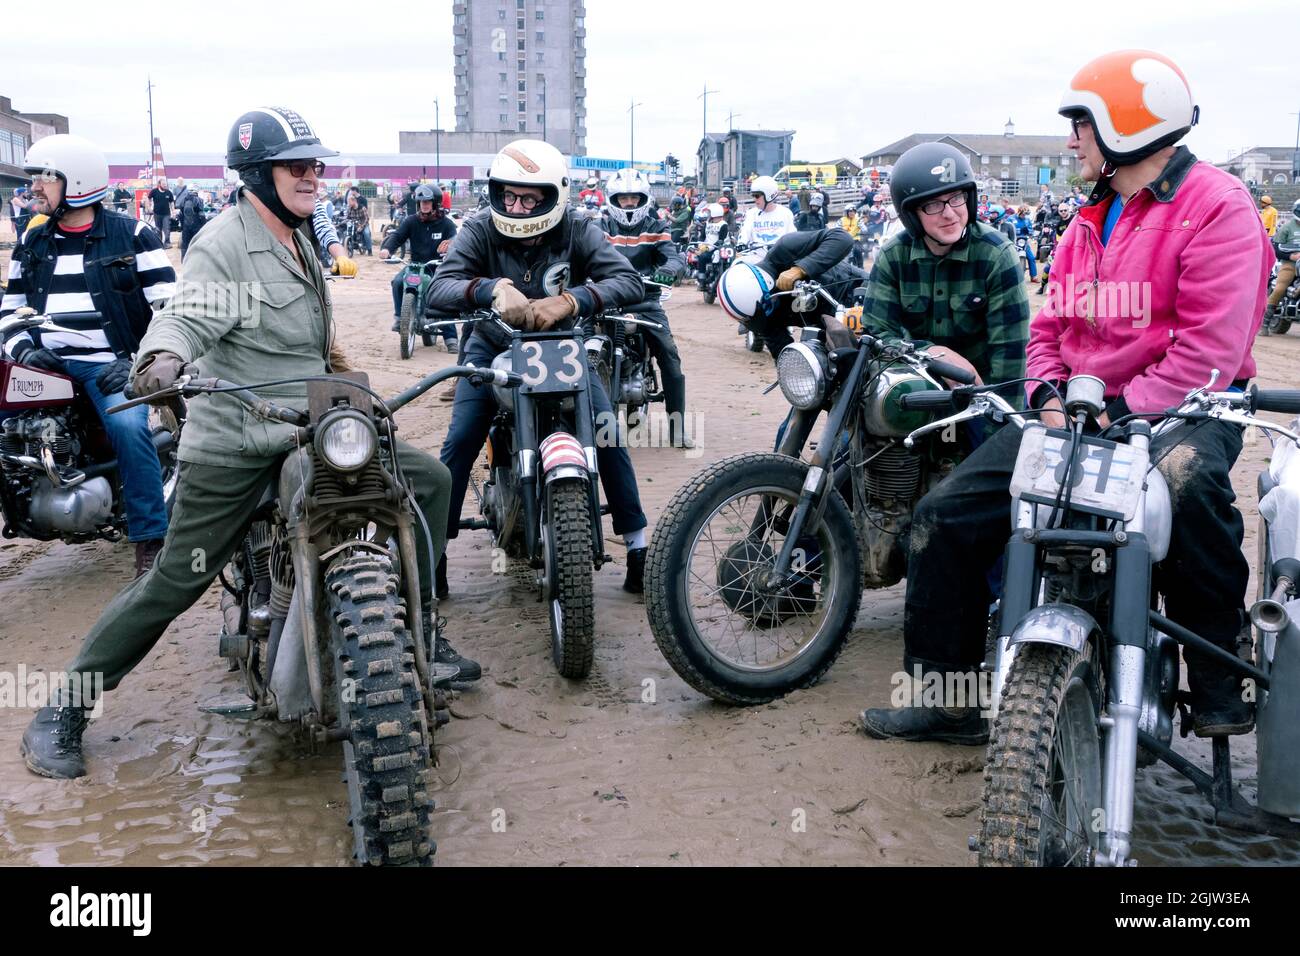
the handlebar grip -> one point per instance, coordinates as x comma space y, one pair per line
1285, 400
927, 401
944, 370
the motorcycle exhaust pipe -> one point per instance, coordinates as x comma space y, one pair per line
1268, 614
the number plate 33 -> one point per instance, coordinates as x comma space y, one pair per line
551, 365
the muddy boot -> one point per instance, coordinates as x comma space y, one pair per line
957, 725
1266, 328
52, 743
634, 583
146, 552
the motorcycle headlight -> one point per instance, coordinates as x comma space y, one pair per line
801, 371
346, 440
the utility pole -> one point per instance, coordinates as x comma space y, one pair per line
631, 112
544, 108
731, 120
702, 171
1295, 156
437, 141
152, 168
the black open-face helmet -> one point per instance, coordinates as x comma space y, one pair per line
926, 171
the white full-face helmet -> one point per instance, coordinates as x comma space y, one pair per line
77, 162
743, 290
528, 162
627, 182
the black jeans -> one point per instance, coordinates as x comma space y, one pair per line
164, 226
471, 418
669, 360
960, 529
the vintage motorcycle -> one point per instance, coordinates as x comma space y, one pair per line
322, 611
1289, 308
542, 499
619, 356
58, 472
414, 319
756, 568
1085, 668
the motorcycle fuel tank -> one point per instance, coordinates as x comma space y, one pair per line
22, 387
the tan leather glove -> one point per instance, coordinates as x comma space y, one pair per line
343, 266
513, 305
786, 280
551, 311
155, 372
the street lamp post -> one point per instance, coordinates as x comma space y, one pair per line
437, 142
1295, 156
631, 112
703, 171
544, 108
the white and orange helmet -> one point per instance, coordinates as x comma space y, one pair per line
1138, 102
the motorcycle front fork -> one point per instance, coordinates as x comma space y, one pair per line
1119, 753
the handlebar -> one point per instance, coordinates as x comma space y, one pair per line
939, 401
952, 372
1284, 400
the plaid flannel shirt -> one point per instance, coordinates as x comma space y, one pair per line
972, 300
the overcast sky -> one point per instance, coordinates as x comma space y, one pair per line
847, 76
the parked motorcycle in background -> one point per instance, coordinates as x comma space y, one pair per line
1288, 309
58, 472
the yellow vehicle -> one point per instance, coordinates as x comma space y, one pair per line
806, 174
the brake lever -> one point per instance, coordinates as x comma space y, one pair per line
976, 409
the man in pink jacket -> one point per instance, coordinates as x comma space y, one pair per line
1160, 279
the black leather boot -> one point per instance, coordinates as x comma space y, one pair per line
962, 725
634, 583
52, 743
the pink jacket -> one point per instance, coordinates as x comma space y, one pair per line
1179, 290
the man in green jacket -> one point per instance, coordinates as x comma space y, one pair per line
252, 307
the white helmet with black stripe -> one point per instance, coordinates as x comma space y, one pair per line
528, 163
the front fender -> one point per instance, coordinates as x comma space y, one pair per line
1062, 624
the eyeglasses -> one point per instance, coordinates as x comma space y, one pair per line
528, 203
1076, 122
935, 206
43, 176
298, 167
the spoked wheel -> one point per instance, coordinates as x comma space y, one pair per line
567, 591
723, 623
406, 330
1042, 781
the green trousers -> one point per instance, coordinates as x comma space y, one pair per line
214, 506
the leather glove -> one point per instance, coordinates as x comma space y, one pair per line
786, 280
513, 305
156, 372
343, 266
551, 311
663, 278
114, 377
43, 359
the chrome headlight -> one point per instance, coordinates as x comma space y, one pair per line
346, 440
801, 370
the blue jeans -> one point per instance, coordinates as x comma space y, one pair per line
471, 418
137, 458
